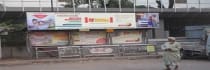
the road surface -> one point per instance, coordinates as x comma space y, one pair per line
140, 64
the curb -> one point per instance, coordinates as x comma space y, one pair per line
72, 60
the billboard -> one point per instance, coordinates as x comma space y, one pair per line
126, 36
108, 20
147, 20
48, 38
68, 21
65, 21
40, 21
92, 37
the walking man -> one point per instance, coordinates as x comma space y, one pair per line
171, 55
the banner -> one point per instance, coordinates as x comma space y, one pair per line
48, 38
65, 21
68, 21
147, 20
40, 21
108, 20
92, 37
127, 36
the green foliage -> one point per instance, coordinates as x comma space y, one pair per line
16, 36
126, 4
12, 25
113, 4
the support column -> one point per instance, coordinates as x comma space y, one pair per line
0, 49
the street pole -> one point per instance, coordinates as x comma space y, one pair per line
52, 8
0, 49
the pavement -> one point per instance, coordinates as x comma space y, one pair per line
20, 62
115, 64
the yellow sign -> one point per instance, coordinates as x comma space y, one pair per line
150, 48
109, 30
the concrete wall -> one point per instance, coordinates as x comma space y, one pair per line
160, 32
15, 52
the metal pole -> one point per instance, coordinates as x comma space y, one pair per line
134, 6
105, 9
187, 7
52, 8
23, 8
90, 7
74, 6
175, 5
0, 49
40, 9
199, 2
147, 5
57, 8
5, 9
120, 5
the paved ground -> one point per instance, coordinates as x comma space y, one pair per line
141, 64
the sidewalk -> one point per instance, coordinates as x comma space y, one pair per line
16, 62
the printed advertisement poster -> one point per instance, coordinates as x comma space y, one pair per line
68, 21
147, 20
92, 37
40, 21
128, 36
108, 20
48, 38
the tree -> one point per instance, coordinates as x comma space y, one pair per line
126, 4
12, 25
16, 35
113, 4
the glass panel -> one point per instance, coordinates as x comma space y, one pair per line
31, 4
205, 3
65, 3
112, 3
192, 1
141, 3
152, 4
12, 4
81, 3
193, 5
1, 4
127, 3
97, 3
180, 4
46, 3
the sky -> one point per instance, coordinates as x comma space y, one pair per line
152, 3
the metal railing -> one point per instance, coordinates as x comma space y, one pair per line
97, 50
145, 5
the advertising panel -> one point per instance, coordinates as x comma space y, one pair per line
92, 37
40, 21
48, 38
147, 20
68, 21
108, 20
65, 21
126, 36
